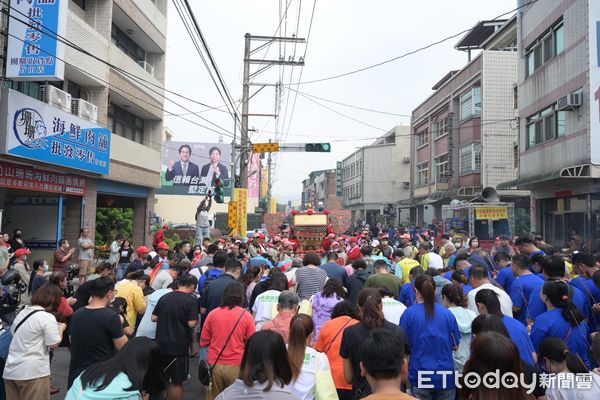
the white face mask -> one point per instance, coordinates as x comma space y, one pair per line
46, 267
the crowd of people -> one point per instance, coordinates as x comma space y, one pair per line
373, 314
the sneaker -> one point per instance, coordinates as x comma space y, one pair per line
54, 390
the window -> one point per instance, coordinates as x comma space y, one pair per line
441, 166
439, 128
550, 44
28, 88
470, 158
422, 173
470, 103
124, 42
516, 156
515, 97
80, 3
546, 125
124, 123
422, 138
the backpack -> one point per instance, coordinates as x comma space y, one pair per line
210, 276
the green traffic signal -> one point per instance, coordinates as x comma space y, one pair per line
218, 193
317, 147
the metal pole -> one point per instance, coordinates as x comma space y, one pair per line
269, 181
245, 99
60, 217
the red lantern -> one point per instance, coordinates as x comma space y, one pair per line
294, 212
310, 211
326, 212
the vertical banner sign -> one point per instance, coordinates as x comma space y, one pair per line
240, 196
594, 40
232, 218
33, 50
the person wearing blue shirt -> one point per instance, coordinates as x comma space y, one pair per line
579, 282
460, 277
586, 264
259, 260
433, 335
488, 304
335, 270
562, 320
523, 286
408, 294
526, 246
554, 269
505, 275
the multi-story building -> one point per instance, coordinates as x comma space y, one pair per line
99, 126
320, 191
559, 145
376, 177
465, 133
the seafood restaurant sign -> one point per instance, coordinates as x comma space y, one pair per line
39, 131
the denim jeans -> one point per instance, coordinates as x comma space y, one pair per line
201, 233
433, 394
121, 268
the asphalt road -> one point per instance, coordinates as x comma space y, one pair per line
60, 370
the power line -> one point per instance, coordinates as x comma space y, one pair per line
410, 52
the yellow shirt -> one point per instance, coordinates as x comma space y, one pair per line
136, 303
405, 265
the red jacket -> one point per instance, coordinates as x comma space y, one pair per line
159, 236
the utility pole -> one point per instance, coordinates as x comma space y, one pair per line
269, 178
264, 65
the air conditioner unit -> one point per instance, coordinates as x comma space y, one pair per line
56, 97
569, 102
147, 66
84, 109
406, 160
405, 185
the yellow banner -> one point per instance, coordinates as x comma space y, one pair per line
232, 217
493, 213
240, 196
273, 205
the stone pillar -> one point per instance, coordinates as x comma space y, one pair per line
142, 210
89, 208
72, 218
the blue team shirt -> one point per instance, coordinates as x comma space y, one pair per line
593, 296
432, 342
579, 282
520, 293
552, 324
537, 307
408, 296
467, 288
518, 333
506, 278
210, 275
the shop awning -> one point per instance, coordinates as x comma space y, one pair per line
575, 171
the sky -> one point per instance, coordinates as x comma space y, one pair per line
345, 35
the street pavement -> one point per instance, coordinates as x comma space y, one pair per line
60, 370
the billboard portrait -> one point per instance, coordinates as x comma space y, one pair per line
192, 168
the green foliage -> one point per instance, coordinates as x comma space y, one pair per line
172, 240
112, 221
522, 221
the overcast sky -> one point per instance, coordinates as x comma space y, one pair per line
346, 35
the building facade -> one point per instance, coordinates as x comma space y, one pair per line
114, 72
465, 135
559, 127
376, 177
320, 191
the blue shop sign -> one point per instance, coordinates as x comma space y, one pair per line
42, 132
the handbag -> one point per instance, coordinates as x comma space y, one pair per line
204, 368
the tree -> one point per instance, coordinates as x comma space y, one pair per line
112, 221
522, 221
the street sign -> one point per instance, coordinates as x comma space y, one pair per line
265, 147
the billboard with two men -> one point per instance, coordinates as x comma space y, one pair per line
191, 168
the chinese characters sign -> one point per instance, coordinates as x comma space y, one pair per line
41, 132
240, 196
493, 213
33, 50
191, 168
26, 178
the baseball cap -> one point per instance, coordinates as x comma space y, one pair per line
353, 239
260, 235
277, 239
162, 246
22, 252
335, 244
142, 250
375, 243
331, 235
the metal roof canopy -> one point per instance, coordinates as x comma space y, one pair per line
479, 34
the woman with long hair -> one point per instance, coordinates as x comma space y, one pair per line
555, 356
125, 258
562, 320
371, 317
219, 324
265, 371
492, 352
433, 335
455, 300
64, 311
311, 374
38, 275
323, 303
249, 280
344, 315
132, 372
488, 303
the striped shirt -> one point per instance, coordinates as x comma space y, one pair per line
310, 281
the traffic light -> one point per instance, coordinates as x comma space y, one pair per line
317, 147
218, 192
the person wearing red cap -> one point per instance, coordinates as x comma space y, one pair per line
22, 267
140, 263
327, 241
255, 248
354, 252
159, 236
